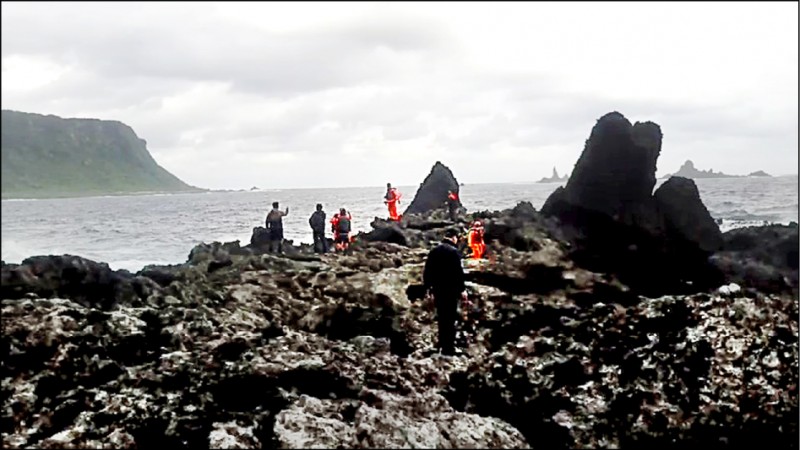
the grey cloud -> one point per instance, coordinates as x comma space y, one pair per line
271, 64
398, 74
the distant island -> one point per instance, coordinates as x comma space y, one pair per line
554, 178
688, 170
48, 156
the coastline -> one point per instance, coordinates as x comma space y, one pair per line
240, 346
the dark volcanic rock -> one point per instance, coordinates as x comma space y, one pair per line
432, 193
521, 228
278, 352
765, 257
87, 282
639, 377
386, 232
685, 214
617, 166
260, 238
609, 215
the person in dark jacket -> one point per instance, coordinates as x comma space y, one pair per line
444, 277
274, 226
317, 222
341, 226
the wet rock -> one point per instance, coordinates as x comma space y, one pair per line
386, 233
260, 238
686, 217
765, 258
67, 276
614, 224
162, 275
432, 193
217, 264
521, 228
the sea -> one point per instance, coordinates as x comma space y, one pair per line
131, 231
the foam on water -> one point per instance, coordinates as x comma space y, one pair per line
135, 265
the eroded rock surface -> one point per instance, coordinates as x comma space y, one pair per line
658, 243
274, 351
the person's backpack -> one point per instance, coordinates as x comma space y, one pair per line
344, 225
317, 221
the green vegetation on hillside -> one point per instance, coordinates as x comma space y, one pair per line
47, 156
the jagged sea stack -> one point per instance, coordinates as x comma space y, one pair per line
657, 242
617, 167
432, 193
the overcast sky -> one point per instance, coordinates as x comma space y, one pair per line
280, 95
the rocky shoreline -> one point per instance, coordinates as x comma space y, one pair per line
588, 335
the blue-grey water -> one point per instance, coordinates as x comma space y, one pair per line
128, 232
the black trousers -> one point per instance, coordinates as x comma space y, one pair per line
320, 243
446, 314
276, 241
453, 212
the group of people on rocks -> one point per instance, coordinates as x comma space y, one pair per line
341, 225
443, 275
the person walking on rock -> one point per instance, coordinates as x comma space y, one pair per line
275, 227
391, 199
317, 222
475, 240
444, 276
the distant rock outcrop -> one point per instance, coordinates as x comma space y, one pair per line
688, 170
432, 193
554, 178
47, 156
616, 224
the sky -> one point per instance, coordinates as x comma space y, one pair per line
290, 95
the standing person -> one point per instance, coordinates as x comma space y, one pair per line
317, 222
391, 199
341, 225
475, 240
444, 277
275, 227
452, 205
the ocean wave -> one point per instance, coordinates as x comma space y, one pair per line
14, 252
12, 200
135, 265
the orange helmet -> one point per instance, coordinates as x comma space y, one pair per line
477, 224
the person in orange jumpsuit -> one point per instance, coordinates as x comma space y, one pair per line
391, 199
475, 240
341, 226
